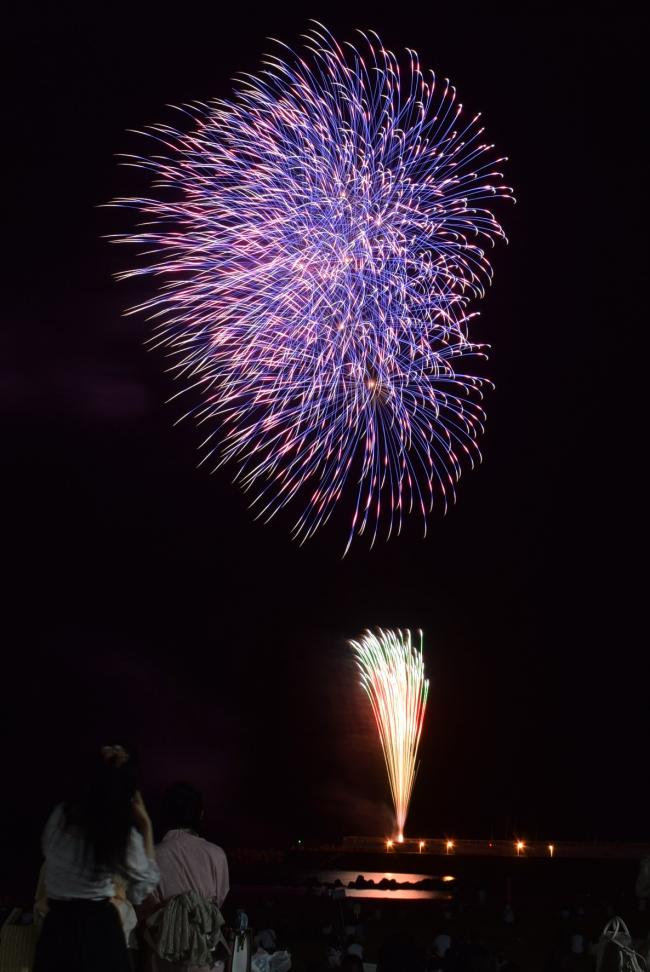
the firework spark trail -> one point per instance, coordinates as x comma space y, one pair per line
317, 240
392, 673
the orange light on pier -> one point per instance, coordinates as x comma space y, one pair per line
551, 850
520, 847
389, 845
450, 846
421, 845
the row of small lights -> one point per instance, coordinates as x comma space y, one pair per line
519, 845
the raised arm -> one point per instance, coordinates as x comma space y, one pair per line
141, 868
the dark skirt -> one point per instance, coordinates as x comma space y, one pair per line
82, 936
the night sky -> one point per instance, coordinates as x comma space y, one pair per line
142, 600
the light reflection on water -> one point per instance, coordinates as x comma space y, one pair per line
328, 877
404, 894
400, 894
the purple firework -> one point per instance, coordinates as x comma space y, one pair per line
319, 239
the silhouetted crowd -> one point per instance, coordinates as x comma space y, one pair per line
109, 900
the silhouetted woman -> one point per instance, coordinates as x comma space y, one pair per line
105, 831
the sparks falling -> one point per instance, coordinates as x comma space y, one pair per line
317, 241
392, 673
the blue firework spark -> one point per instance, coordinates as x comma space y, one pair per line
318, 240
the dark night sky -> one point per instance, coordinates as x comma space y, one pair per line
142, 598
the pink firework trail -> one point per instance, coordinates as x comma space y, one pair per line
317, 241
392, 674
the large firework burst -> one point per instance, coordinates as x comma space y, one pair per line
392, 673
318, 239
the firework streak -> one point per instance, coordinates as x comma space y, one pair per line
392, 673
317, 241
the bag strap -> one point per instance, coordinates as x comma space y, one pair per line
614, 931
